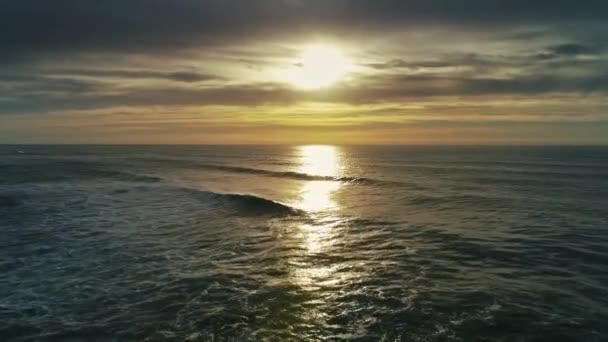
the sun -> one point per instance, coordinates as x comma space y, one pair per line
319, 66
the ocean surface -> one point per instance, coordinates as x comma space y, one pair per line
312, 243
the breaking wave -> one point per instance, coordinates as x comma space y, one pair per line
246, 204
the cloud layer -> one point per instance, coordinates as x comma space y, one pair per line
415, 61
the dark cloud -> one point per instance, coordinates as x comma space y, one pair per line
31, 27
41, 97
55, 95
393, 64
177, 76
22, 86
567, 50
571, 49
472, 60
394, 88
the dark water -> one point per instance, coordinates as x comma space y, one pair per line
172, 243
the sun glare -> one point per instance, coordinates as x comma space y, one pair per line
319, 160
319, 66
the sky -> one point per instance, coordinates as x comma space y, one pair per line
304, 71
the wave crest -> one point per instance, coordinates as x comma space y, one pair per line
293, 174
246, 204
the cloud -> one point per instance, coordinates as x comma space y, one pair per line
567, 50
570, 49
177, 76
23, 86
396, 87
44, 95
29, 28
473, 60
82, 56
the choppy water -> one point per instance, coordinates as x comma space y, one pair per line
303, 243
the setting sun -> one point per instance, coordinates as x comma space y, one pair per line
319, 66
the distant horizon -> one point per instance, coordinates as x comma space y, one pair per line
308, 144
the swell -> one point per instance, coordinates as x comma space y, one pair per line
49, 171
433, 201
270, 173
128, 176
294, 175
245, 204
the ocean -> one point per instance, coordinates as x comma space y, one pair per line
311, 243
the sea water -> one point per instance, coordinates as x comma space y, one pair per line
231, 243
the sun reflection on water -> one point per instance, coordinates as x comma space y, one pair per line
319, 260
316, 197
319, 160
